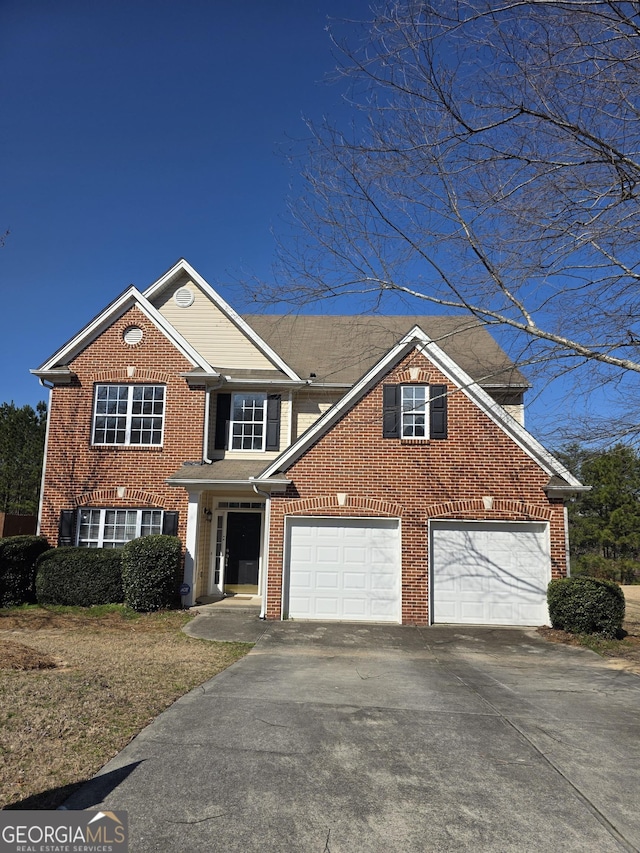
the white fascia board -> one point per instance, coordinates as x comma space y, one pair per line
419, 339
106, 318
236, 319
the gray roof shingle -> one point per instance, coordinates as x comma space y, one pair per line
340, 349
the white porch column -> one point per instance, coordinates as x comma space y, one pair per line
191, 546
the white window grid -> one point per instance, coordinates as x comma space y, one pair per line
415, 411
129, 414
113, 528
248, 430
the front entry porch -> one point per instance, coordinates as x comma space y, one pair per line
227, 529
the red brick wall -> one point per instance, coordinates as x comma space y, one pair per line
78, 474
414, 480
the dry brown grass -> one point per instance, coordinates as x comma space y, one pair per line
624, 653
75, 688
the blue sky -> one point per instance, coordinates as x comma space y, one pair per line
136, 132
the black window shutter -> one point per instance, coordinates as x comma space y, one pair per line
170, 523
438, 411
67, 528
391, 395
223, 415
273, 422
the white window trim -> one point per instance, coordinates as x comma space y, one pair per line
423, 410
129, 414
103, 511
232, 422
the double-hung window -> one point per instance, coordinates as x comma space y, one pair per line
248, 421
113, 528
129, 414
414, 411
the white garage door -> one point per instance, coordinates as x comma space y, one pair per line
490, 573
344, 569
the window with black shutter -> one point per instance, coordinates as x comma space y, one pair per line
414, 411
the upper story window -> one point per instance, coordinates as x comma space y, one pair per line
129, 414
247, 420
414, 411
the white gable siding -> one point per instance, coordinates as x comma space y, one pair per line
207, 329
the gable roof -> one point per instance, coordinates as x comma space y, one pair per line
341, 349
181, 267
129, 298
417, 338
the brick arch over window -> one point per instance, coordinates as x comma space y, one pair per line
122, 375
329, 503
502, 509
131, 498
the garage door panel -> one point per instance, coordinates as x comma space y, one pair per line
355, 555
354, 581
382, 581
328, 608
350, 569
490, 573
328, 581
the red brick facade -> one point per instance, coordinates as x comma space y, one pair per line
414, 481
79, 474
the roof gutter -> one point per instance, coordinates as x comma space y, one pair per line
55, 376
195, 482
217, 380
565, 491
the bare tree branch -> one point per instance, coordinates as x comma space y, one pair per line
492, 167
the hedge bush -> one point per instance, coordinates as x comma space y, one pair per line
151, 572
585, 605
80, 576
18, 556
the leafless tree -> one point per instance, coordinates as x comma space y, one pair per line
492, 165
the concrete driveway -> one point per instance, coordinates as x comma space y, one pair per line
334, 738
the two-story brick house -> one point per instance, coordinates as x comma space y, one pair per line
358, 468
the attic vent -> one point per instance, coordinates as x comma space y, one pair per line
183, 297
132, 335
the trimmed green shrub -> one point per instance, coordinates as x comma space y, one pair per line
151, 572
585, 605
80, 577
18, 556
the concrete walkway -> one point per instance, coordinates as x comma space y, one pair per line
350, 738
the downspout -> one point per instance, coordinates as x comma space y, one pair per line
44, 455
205, 441
567, 555
267, 531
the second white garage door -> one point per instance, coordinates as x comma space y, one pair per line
490, 573
344, 569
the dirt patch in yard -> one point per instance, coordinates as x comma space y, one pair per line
75, 688
625, 653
